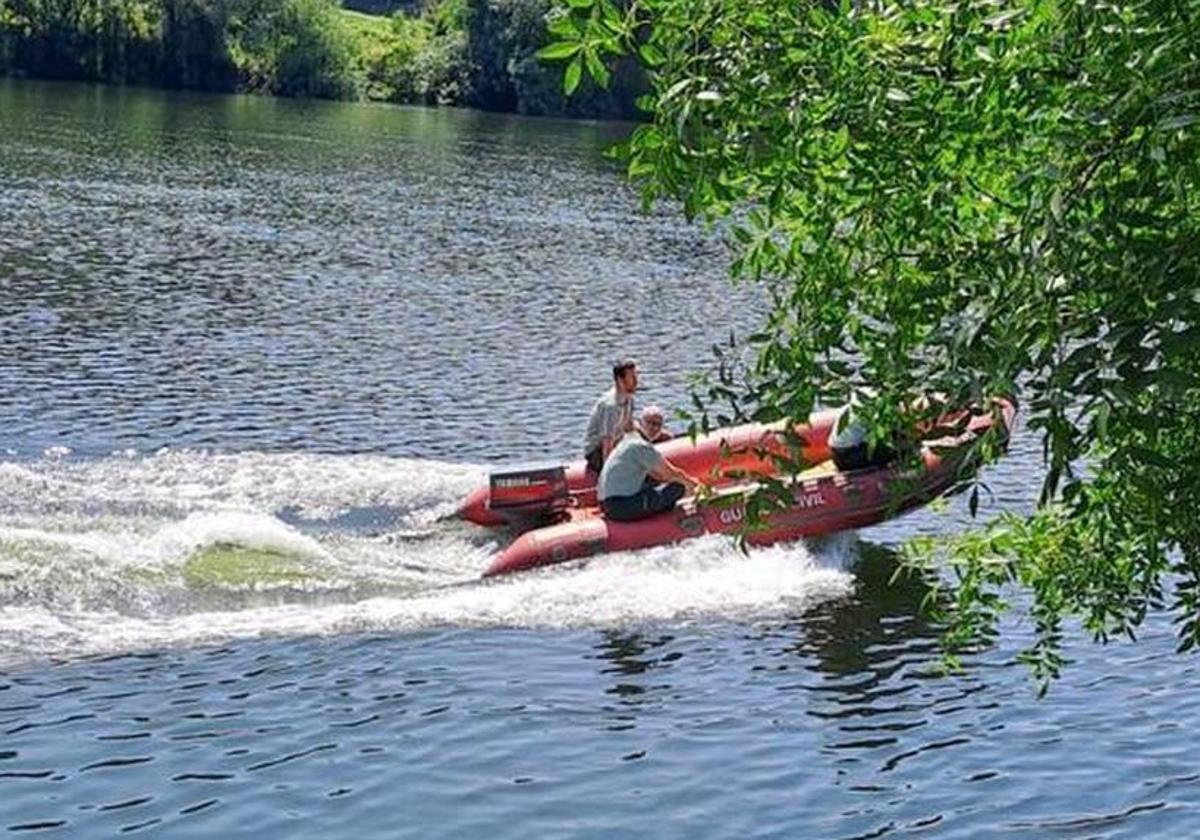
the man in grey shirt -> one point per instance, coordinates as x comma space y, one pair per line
625, 489
612, 415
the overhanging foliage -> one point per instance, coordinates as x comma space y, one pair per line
970, 198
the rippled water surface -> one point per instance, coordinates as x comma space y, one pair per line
252, 352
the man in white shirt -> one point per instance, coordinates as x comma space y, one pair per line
625, 489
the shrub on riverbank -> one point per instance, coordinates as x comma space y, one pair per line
464, 52
419, 59
293, 48
113, 41
289, 47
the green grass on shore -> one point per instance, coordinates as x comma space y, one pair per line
362, 23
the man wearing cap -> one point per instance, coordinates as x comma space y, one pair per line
612, 415
628, 485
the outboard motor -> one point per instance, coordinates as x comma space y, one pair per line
538, 492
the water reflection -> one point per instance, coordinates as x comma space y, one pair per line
632, 659
881, 628
628, 652
864, 661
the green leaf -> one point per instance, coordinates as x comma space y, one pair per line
611, 15
1003, 19
651, 55
558, 51
1177, 121
566, 27
572, 75
596, 68
675, 89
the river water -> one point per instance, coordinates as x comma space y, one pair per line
251, 351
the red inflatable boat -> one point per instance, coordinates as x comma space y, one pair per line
721, 457
822, 499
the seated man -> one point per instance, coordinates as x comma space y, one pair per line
663, 435
626, 489
851, 446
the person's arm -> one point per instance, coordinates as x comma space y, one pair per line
666, 471
607, 444
616, 428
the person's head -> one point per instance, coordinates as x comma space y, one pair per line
651, 422
625, 375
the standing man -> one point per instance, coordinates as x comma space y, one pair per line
612, 415
625, 489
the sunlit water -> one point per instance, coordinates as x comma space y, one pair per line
253, 352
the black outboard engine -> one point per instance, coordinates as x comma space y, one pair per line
519, 495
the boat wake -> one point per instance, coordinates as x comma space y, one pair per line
131, 553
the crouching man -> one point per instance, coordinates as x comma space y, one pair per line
637, 481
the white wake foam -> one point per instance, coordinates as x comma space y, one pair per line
77, 538
704, 579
